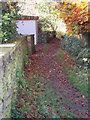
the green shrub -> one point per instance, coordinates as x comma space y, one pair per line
81, 56
7, 23
73, 46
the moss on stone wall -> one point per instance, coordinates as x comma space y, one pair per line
14, 58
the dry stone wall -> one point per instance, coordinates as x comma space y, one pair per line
12, 56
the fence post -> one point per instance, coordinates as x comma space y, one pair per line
30, 44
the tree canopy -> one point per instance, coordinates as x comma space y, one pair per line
48, 14
75, 16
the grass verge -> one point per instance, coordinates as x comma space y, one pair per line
37, 99
75, 74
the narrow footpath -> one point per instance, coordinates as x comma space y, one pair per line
44, 60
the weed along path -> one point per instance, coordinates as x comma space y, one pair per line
49, 94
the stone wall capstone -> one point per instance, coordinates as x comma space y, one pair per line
11, 57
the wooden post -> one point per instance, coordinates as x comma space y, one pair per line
30, 44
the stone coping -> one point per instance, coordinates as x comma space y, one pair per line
7, 48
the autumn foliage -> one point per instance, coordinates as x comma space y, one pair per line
75, 16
